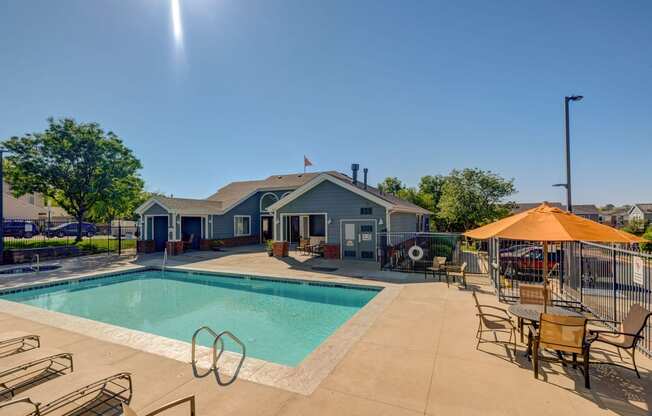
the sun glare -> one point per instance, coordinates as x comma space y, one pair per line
177, 30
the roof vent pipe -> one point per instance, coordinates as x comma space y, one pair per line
365, 171
355, 167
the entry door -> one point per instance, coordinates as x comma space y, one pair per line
160, 232
358, 240
266, 224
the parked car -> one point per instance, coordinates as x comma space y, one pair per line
20, 228
69, 229
526, 261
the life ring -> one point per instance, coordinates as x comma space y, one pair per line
415, 253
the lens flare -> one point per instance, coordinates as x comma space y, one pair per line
177, 29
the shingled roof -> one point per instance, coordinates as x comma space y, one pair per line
232, 194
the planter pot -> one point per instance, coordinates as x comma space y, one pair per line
281, 248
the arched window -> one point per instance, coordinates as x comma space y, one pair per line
266, 200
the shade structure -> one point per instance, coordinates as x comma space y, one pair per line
546, 223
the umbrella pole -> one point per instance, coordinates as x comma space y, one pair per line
545, 276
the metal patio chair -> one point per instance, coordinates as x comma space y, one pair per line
561, 334
454, 274
493, 319
128, 411
102, 387
187, 244
437, 267
627, 337
32, 367
531, 294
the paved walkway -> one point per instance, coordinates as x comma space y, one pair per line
417, 358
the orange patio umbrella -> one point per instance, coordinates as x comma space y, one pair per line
546, 223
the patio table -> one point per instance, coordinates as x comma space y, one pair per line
533, 313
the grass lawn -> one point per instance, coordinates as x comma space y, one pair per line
97, 243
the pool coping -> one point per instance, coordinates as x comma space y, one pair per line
302, 379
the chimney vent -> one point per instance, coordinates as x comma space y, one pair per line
365, 171
355, 167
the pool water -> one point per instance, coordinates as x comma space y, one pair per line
278, 321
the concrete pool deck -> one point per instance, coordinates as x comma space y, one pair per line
417, 357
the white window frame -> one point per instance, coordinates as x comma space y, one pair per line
260, 203
235, 228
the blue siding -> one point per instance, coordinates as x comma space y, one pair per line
403, 222
155, 209
335, 201
223, 224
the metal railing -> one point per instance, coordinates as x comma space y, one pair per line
413, 252
61, 236
602, 279
217, 338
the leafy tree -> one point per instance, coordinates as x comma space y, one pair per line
635, 226
473, 197
77, 165
123, 197
648, 236
391, 185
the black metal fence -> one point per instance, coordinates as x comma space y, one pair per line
34, 234
414, 252
604, 280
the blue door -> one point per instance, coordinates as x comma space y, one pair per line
358, 240
160, 232
191, 226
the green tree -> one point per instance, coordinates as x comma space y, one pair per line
122, 198
77, 165
391, 185
648, 236
473, 197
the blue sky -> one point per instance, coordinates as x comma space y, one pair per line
405, 88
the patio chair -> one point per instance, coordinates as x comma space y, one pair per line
437, 267
628, 335
32, 367
454, 274
561, 334
493, 319
13, 342
101, 387
530, 294
187, 244
304, 246
533, 294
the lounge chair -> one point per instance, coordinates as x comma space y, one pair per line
32, 367
127, 411
493, 319
454, 274
13, 342
187, 244
101, 387
627, 337
561, 334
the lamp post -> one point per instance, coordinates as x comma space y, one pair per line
567, 185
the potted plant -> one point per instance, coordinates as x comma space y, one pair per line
216, 245
270, 247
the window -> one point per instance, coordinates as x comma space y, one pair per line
318, 226
366, 211
267, 200
241, 225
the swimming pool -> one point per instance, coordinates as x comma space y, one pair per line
279, 321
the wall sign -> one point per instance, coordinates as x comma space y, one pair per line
638, 270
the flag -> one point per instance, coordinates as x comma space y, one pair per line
306, 163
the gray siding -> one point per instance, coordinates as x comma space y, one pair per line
223, 224
403, 222
155, 209
335, 201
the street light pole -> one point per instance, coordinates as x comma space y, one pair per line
567, 185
